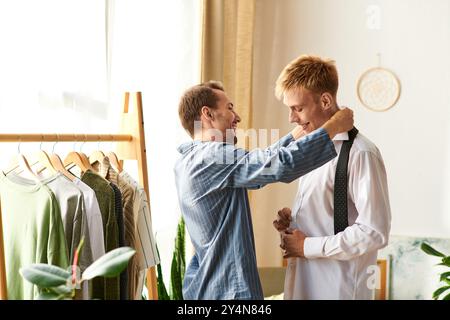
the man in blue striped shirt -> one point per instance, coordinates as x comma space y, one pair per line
212, 178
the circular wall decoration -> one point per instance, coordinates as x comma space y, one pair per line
378, 89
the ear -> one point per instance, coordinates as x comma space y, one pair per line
206, 112
326, 100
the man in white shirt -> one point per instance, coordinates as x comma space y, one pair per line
322, 264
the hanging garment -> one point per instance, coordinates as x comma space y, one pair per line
95, 225
94, 219
70, 200
146, 253
128, 197
119, 217
105, 288
73, 213
33, 233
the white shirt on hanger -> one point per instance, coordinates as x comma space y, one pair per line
340, 266
94, 219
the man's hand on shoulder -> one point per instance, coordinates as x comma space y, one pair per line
298, 132
341, 121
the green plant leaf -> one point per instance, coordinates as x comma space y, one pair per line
110, 264
182, 248
444, 276
49, 296
62, 290
447, 297
175, 277
430, 250
439, 291
178, 263
45, 275
446, 261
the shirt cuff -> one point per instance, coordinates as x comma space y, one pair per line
287, 139
313, 247
324, 133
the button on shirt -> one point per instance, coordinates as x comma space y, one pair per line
212, 180
340, 266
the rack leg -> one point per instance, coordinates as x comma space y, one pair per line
3, 292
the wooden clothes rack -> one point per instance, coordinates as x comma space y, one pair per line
130, 146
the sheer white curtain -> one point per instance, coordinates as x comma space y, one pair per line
52, 70
155, 49
64, 65
53, 65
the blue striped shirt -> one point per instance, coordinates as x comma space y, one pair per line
212, 179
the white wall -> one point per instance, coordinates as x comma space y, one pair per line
413, 136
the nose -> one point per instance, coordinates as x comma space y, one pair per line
293, 117
236, 117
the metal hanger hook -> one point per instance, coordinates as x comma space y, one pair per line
112, 141
82, 144
40, 144
53, 148
98, 143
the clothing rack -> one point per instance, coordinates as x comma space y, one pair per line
130, 146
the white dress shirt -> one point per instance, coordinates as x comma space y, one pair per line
339, 266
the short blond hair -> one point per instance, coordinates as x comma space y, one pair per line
310, 72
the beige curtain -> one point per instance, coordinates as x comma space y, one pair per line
227, 51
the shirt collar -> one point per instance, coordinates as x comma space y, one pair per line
341, 136
187, 146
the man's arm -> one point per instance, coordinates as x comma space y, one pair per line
237, 168
240, 169
371, 229
339, 122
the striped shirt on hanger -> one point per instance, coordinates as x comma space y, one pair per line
145, 242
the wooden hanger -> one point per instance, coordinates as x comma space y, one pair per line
96, 156
75, 159
84, 158
41, 157
79, 159
115, 162
58, 165
19, 161
86, 161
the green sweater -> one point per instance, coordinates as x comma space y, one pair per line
33, 233
109, 289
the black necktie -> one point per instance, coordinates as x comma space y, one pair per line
340, 184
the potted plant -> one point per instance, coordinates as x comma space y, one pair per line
56, 283
177, 269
